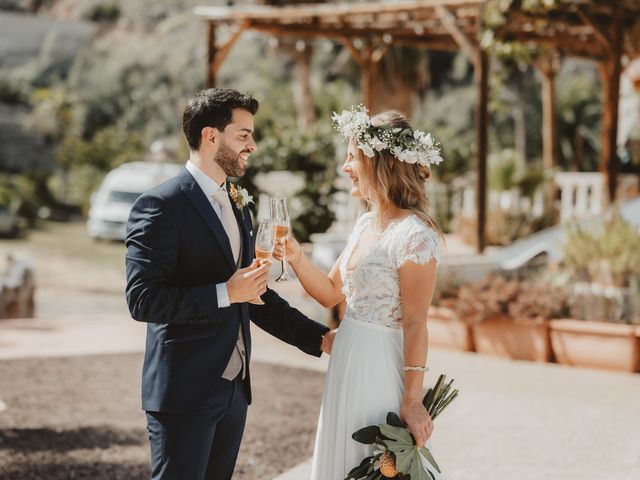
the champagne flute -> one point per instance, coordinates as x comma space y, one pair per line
280, 215
265, 240
265, 243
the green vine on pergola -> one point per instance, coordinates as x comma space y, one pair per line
495, 17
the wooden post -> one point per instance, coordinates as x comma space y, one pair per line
610, 71
547, 66
368, 83
368, 60
301, 54
212, 50
480, 60
482, 127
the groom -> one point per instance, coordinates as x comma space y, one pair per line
192, 278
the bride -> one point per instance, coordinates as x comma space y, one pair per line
386, 274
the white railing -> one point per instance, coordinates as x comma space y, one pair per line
583, 194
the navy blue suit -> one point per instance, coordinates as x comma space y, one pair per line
177, 251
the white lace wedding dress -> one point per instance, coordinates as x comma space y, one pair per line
365, 379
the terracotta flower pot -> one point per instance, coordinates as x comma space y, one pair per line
610, 346
500, 336
446, 330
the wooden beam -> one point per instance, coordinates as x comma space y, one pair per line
611, 71
482, 127
355, 53
297, 12
339, 31
600, 35
465, 44
212, 51
223, 51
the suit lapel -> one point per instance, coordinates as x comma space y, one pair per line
196, 196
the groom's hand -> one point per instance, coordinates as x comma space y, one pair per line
327, 341
248, 283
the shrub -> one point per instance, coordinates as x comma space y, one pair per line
520, 300
609, 255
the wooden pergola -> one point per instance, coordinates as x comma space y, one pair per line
602, 31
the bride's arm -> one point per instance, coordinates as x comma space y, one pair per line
417, 283
324, 289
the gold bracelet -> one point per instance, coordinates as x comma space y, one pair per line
408, 368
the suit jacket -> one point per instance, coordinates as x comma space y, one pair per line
177, 251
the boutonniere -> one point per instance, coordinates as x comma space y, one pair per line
240, 196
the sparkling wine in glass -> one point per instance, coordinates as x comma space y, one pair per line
265, 240
265, 243
280, 216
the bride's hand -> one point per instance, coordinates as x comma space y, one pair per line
293, 250
418, 421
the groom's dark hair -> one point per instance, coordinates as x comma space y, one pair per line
212, 108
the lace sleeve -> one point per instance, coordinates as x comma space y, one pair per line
418, 246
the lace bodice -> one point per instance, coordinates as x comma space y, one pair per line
372, 288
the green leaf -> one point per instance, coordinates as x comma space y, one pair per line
367, 435
445, 404
361, 470
426, 453
397, 435
418, 472
394, 420
409, 461
375, 475
437, 394
431, 393
408, 455
441, 398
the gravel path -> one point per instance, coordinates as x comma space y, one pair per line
79, 418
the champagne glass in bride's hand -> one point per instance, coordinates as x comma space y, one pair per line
265, 243
280, 216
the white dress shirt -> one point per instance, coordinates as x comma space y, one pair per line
209, 187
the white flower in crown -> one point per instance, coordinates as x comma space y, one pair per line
378, 144
366, 149
240, 196
407, 145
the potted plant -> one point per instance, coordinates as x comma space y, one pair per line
602, 330
510, 318
446, 328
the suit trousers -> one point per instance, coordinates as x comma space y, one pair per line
199, 445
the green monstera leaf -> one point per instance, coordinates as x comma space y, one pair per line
394, 420
408, 455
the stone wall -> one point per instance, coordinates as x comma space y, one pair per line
17, 289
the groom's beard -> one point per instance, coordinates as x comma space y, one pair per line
229, 161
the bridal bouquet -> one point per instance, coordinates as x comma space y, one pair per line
397, 455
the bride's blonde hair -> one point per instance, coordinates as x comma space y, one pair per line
393, 182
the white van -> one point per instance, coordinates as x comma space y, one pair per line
112, 202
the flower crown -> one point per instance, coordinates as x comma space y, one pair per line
406, 144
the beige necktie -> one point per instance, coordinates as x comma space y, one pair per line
236, 363
229, 222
